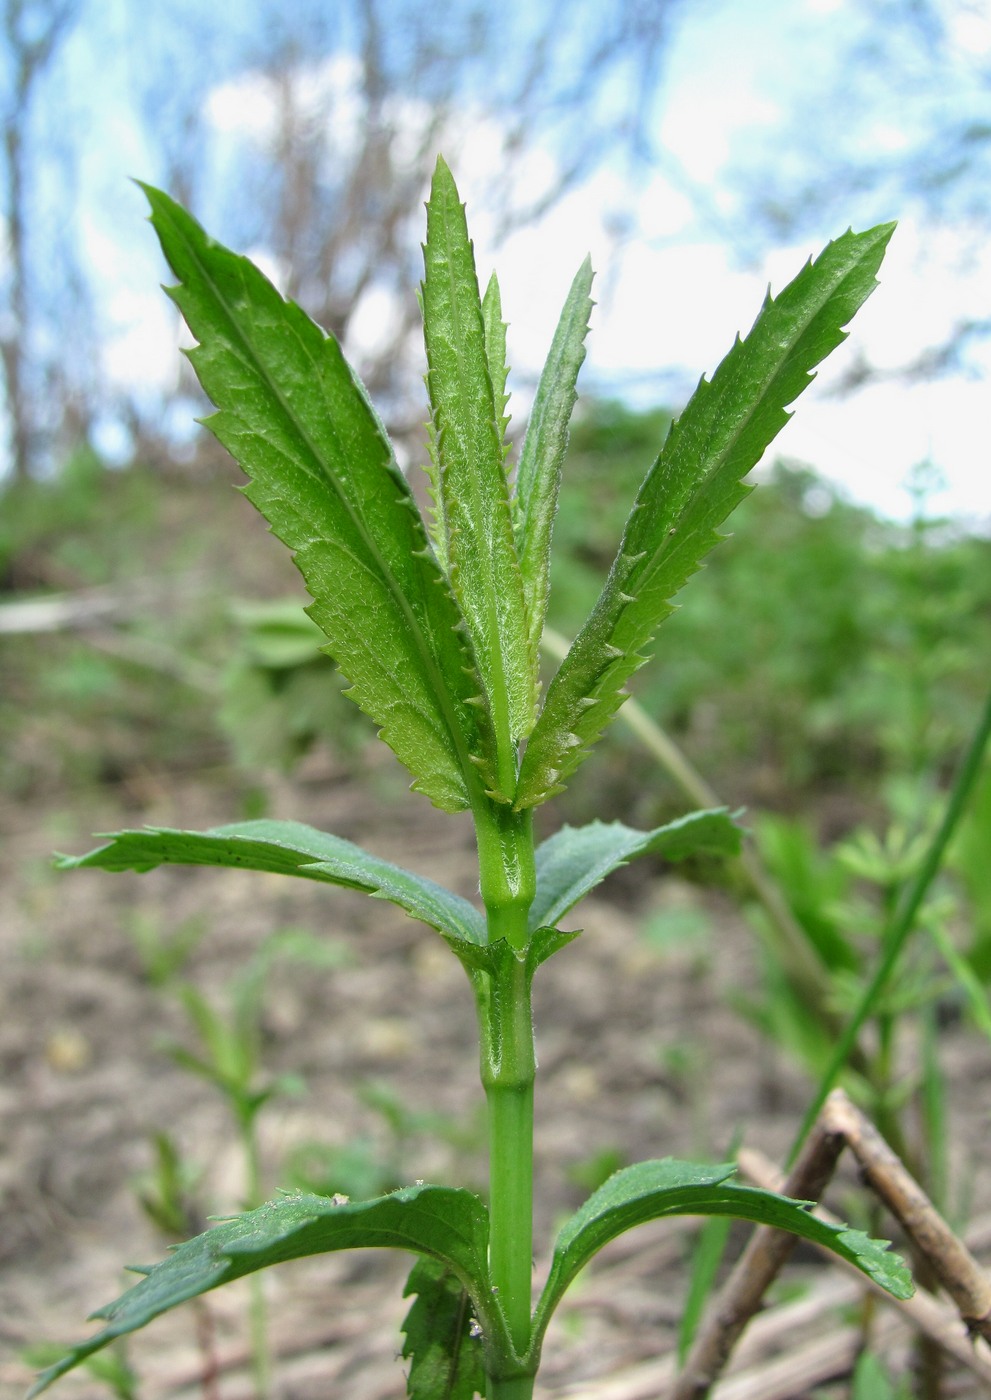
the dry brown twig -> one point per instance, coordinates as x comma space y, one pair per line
842, 1125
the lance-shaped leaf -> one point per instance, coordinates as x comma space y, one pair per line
442, 1341
290, 848
576, 859
470, 474
495, 355
693, 485
323, 474
651, 1190
538, 477
445, 1224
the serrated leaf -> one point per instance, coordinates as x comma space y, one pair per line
651, 1190
322, 472
442, 1223
289, 848
692, 487
576, 859
444, 1350
471, 481
538, 476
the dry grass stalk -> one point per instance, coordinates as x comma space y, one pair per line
841, 1124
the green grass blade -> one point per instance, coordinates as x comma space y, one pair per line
934, 1118
575, 859
974, 992
706, 1259
538, 477
322, 472
694, 484
651, 1190
442, 1223
482, 564
289, 848
871, 1381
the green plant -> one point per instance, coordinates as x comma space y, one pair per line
371, 1165
226, 1053
109, 1369
437, 629
281, 694
824, 979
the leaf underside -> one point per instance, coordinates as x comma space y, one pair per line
289, 848
575, 859
538, 477
439, 1222
322, 472
651, 1190
446, 1358
692, 487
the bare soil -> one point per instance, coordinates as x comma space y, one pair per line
640, 1052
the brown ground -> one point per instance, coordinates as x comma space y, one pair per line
639, 1056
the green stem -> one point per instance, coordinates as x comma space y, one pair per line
261, 1366
508, 1075
518, 1388
507, 880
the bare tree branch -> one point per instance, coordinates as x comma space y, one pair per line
841, 1124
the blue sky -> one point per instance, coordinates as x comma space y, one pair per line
685, 275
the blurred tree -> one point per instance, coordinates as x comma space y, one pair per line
305, 133
333, 120
32, 31
912, 82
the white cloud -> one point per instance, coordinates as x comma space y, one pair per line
970, 29
248, 107
140, 354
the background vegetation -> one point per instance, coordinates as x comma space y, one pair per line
822, 654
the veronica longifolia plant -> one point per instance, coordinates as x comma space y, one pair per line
436, 624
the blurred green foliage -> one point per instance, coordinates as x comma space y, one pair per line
73, 528
820, 651
821, 647
281, 694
